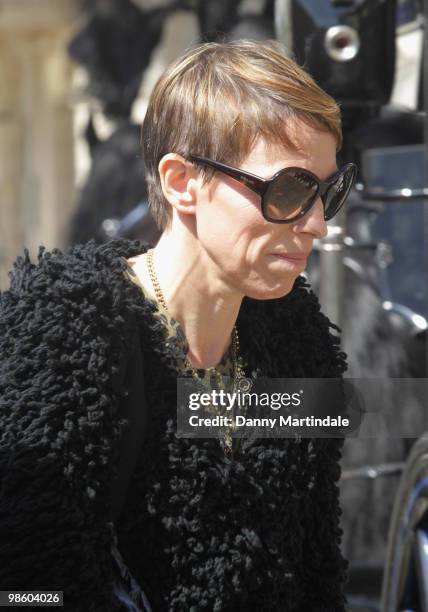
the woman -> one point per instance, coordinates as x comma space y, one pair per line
240, 149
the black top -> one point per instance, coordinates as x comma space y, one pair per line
199, 530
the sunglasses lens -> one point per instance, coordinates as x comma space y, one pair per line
336, 195
290, 194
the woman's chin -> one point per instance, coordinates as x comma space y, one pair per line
271, 292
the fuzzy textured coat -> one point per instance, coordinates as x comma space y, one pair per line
199, 530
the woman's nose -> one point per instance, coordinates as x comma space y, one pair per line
313, 222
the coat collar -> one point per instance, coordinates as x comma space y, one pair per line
284, 337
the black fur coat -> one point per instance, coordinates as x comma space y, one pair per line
199, 531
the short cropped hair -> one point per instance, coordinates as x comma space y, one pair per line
218, 98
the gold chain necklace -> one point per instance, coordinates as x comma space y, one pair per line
238, 371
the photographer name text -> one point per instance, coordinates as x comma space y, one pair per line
281, 421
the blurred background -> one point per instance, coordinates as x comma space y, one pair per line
75, 80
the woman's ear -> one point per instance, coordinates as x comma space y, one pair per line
179, 184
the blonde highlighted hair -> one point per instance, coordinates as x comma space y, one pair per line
218, 98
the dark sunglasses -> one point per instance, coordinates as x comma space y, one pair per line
292, 192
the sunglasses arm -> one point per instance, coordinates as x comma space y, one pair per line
256, 183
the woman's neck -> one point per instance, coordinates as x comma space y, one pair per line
195, 295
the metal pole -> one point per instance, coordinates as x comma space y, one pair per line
425, 98
331, 284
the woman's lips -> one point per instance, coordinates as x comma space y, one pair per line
297, 260
296, 257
